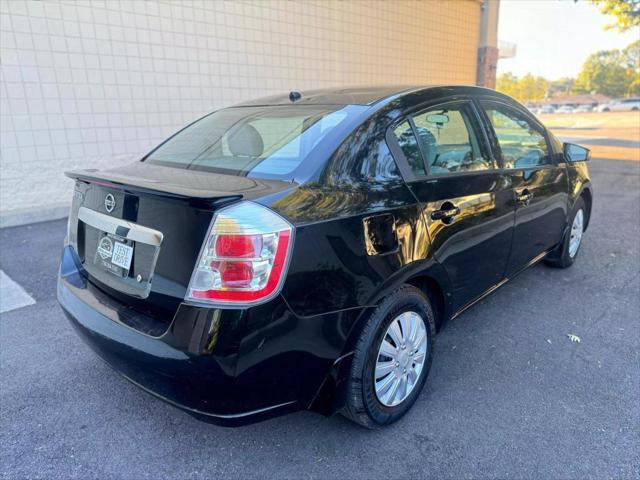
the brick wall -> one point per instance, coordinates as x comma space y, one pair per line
95, 84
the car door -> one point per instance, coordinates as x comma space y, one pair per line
467, 206
538, 177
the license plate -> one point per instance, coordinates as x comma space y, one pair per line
114, 254
122, 255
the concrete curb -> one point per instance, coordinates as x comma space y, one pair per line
25, 216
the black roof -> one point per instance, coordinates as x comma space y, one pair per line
335, 96
360, 95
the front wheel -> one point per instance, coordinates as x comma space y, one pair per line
392, 359
573, 238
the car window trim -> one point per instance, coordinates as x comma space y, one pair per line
396, 152
414, 129
478, 126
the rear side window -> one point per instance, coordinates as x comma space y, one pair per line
522, 141
268, 142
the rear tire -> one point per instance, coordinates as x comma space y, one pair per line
573, 238
368, 403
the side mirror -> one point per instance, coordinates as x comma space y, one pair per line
575, 153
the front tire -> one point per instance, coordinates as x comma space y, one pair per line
573, 238
392, 359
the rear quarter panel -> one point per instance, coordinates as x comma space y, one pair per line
331, 268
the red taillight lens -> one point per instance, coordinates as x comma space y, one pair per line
235, 274
244, 258
239, 246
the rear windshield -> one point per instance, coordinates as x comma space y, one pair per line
269, 142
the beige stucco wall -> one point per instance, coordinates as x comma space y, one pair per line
98, 83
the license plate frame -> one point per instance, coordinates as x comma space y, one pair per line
112, 247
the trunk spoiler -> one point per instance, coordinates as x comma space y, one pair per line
134, 184
182, 184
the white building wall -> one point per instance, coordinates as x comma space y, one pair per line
95, 84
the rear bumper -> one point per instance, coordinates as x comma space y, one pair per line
229, 367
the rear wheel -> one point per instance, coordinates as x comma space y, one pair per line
392, 359
573, 238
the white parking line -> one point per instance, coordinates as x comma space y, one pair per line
12, 295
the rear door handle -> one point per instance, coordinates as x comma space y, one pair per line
524, 197
445, 214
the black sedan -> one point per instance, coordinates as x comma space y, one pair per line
301, 251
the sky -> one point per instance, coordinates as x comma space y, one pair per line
554, 37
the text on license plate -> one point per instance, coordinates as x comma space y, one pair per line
122, 255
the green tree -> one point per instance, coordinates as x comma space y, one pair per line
627, 12
631, 56
524, 89
631, 60
532, 88
605, 72
560, 86
507, 83
634, 86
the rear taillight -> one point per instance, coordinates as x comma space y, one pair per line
244, 257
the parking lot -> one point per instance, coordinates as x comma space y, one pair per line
510, 395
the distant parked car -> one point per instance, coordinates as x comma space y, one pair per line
565, 109
583, 109
545, 109
621, 105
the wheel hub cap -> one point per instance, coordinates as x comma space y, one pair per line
400, 358
577, 228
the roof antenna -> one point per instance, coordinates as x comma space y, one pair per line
295, 95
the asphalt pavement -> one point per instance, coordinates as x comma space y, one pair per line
510, 395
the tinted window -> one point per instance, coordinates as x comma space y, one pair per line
521, 140
409, 146
363, 158
254, 141
448, 141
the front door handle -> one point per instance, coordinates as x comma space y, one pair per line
524, 197
446, 213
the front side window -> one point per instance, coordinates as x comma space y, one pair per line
448, 140
521, 141
270, 142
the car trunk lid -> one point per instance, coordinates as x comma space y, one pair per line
138, 230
